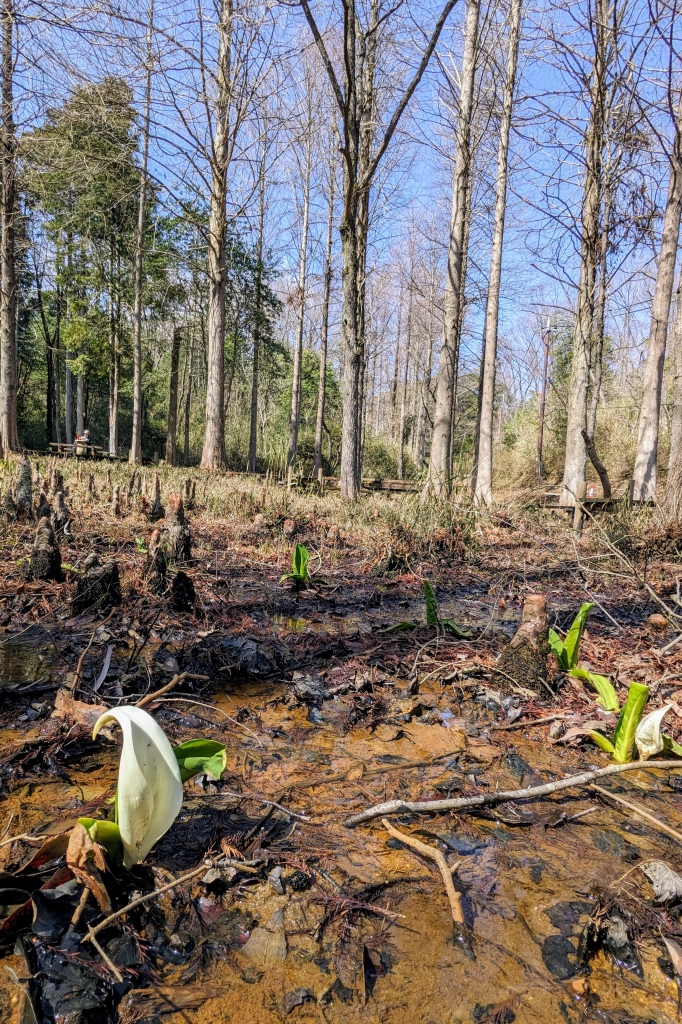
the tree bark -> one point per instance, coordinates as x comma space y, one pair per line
600, 317
650, 410
188, 401
423, 414
483, 484
258, 320
80, 404
171, 436
321, 391
136, 439
68, 400
114, 347
213, 455
597, 463
673, 490
440, 464
302, 270
9, 435
574, 466
403, 395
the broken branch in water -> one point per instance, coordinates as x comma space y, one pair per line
433, 853
643, 813
527, 725
463, 803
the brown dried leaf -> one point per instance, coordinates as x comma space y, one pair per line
86, 860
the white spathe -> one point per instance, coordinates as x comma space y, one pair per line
149, 794
648, 734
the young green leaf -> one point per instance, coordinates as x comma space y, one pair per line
299, 563
607, 698
628, 720
431, 605
602, 741
197, 757
398, 627
572, 641
452, 627
106, 833
559, 650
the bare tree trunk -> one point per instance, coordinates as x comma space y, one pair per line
9, 435
302, 269
253, 421
426, 379
440, 465
80, 405
319, 421
483, 483
57, 390
600, 318
213, 455
574, 466
673, 490
650, 410
136, 439
68, 400
114, 348
171, 436
403, 397
188, 400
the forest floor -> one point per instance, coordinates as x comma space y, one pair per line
325, 713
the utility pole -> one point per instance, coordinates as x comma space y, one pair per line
543, 392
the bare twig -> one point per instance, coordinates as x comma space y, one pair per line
433, 853
178, 678
203, 867
527, 725
638, 809
464, 803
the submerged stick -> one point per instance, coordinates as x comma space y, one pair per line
463, 803
433, 853
643, 813
179, 678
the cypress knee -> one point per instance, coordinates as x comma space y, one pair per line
524, 660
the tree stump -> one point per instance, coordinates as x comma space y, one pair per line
98, 589
524, 661
116, 501
43, 508
155, 565
177, 536
157, 510
61, 517
24, 491
46, 560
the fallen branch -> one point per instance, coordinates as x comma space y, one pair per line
433, 853
643, 813
463, 803
179, 678
527, 725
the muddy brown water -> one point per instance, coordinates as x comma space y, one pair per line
527, 891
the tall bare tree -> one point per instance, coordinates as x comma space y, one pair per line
440, 465
650, 409
136, 440
483, 479
324, 327
301, 292
9, 436
577, 403
362, 149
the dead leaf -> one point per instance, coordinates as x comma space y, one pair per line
666, 882
67, 707
54, 847
86, 860
675, 952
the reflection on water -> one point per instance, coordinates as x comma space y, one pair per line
23, 658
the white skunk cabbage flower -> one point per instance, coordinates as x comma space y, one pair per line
648, 733
149, 794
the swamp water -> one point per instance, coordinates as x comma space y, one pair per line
356, 927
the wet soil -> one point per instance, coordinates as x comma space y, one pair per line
324, 712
